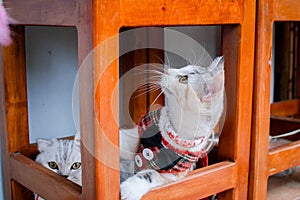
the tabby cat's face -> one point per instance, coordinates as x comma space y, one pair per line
61, 156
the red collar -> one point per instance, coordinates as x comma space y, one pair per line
172, 140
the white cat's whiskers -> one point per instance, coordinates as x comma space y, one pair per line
195, 58
144, 89
156, 99
168, 65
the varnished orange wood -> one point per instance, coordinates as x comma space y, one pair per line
16, 106
55, 13
3, 131
106, 24
19, 190
261, 103
44, 182
262, 162
16, 93
199, 184
180, 12
286, 10
288, 155
286, 108
110, 17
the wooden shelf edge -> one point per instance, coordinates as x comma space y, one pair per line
198, 184
290, 152
47, 184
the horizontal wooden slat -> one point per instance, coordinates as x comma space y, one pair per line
46, 183
199, 184
180, 12
40, 12
286, 10
290, 153
286, 108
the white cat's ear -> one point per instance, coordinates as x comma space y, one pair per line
44, 144
217, 65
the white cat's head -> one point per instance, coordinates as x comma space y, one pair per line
62, 156
196, 89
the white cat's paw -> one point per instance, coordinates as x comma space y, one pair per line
134, 188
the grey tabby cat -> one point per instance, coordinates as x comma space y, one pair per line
61, 156
168, 142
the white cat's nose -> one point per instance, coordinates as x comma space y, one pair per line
64, 174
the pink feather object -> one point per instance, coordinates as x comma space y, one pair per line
5, 38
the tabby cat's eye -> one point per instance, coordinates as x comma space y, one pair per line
183, 79
76, 165
52, 165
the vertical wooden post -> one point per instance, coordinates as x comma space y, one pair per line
264, 163
16, 105
13, 101
3, 131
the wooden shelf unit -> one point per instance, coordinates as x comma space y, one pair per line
96, 21
21, 174
229, 178
265, 162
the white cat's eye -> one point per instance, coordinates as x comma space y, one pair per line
183, 79
76, 165
53, 165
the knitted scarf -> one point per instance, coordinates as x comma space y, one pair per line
161, 152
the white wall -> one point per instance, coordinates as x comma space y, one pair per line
209, 37
51, 61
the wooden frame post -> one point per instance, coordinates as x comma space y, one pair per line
18, 167
264, 162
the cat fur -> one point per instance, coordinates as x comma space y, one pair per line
64, 153
195, 103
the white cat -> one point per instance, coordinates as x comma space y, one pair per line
61, 156
171, 140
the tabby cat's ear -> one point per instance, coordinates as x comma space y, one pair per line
77, 139
44, 144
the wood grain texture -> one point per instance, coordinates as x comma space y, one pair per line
16, 93
284, 157
106, 24
3, 131
285, 108
262, 163
168, 12
16, 106
77, 13
286, 10
46, 183
199, 184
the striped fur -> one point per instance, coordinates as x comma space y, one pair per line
64, 152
